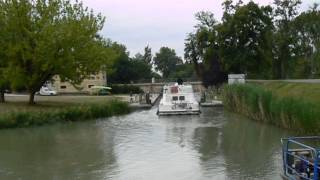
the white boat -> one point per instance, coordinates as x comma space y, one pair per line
178, 100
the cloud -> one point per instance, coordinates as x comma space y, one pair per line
137, 23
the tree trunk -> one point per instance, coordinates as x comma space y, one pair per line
31, 98
2, 99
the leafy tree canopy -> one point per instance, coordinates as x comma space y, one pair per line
202, 48
183, 71
147, 57
126, 69
166, 61
259, 41
245, 43
306, 28
48, 38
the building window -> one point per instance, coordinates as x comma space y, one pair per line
63, 87
174, 98
90, 86
92, 77
98, 77
181, 98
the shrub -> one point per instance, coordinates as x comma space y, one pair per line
125, 89
74, 113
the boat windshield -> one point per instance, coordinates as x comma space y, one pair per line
174, 89
178, 89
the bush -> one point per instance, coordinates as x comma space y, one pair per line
75, 113
125, 89
262, 105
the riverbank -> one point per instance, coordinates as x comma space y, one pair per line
58, 109
306, 91
286, 107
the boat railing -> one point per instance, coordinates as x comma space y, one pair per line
301, 162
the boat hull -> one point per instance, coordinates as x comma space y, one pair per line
167, 110
168, 113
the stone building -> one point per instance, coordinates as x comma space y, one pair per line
99, 79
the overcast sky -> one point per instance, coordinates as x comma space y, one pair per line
157, 23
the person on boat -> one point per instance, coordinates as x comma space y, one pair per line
302, 167
131, 98
148, 100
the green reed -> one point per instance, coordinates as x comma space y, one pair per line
260, 104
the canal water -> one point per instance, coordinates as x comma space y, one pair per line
142, 146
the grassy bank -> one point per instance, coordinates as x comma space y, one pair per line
47, 103
308, 91
40, 115
263, 104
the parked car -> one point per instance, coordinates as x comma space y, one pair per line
8, 91
103, 92
100, 90
45, 91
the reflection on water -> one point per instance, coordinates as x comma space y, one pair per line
77, 151
214, 145
251, 150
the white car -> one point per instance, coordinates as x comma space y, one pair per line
45, 91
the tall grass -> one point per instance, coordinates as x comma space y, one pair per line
262, 105
69, 114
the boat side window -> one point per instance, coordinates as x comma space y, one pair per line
182, 98
174, 98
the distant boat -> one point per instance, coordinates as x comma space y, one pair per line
178, 99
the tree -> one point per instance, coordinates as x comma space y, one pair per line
284, 38
306, 28
166, 61
260, 41
245, 38
241, 43
141, 65
147, 57
202, 48
138, 57
141, 69
123, 71
198, 43
126, 69
48, 38
183, 71
4, 83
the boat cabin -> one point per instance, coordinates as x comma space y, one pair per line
178, 99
